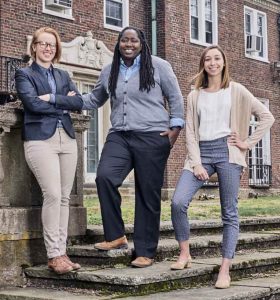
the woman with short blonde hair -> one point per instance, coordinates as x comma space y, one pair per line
48, 95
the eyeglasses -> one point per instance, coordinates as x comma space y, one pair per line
44, 45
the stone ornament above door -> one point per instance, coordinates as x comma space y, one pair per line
84, 51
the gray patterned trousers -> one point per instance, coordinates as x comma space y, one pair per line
214, 157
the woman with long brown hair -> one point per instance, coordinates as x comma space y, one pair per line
217, 128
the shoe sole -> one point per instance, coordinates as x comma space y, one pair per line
141, 266
115, 248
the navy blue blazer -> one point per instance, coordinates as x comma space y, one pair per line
41, 117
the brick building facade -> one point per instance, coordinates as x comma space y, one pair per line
247, 30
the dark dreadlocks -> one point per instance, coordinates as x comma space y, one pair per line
146, 67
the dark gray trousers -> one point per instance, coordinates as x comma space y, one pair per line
147, 154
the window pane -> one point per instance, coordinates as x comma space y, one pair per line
92, 142
92, 136
248, 23
194, 8
208, 32
260, 25
208, 10
194, 25
114, 14
260, 28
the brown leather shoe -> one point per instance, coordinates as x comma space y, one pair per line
120, 243
142, 262
59, 266
75, 266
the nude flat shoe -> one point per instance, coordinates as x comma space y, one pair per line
223, 284
180, 265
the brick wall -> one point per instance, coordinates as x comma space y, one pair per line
255, 75
21, 18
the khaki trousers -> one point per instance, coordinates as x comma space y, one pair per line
53, 162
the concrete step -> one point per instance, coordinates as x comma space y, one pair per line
198, 227
132, 281
249, 289
201, 246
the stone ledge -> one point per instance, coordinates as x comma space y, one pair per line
198, 227
25, 223
201, 246
158, 277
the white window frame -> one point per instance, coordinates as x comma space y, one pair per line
254, 31
201, 24
125, 13
266, 146
63, 13
88, 176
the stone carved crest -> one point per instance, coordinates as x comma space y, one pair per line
85, 51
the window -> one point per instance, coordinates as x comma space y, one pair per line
203, 21
259, 160
255, 34
91, 141
59, 8
115, 14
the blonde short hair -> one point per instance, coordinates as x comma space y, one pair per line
35, 37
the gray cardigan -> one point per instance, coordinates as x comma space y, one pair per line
138, 110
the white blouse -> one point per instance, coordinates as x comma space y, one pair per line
214, 114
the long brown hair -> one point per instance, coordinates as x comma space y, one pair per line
201, 78
35, 37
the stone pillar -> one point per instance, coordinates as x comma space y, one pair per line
21, 241
4, 201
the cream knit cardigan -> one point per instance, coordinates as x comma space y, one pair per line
243, 105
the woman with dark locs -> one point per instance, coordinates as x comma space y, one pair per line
143, 132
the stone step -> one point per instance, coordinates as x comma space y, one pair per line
158, 277
124, 197
198, 227
201, 246
45, 294
248, 289
127, 192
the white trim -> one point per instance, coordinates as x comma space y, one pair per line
88, 176
201, 23
254, 13
61, 14
125, 10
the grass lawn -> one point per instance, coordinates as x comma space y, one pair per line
199, 209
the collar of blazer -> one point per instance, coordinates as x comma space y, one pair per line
42, 78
